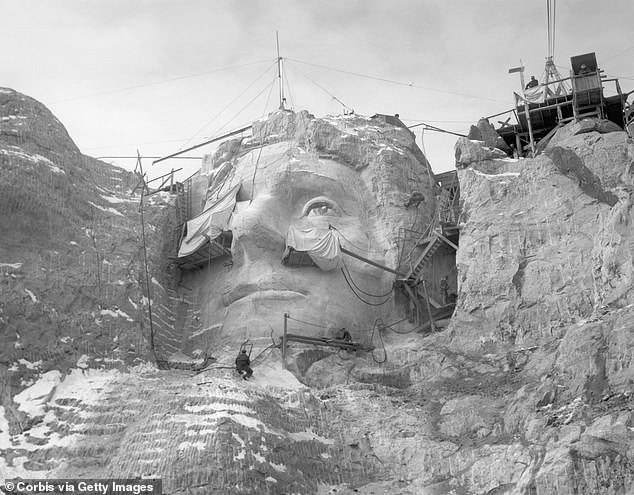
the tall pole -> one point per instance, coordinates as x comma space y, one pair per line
279, 71
520, 69
147, 275
284, 340
432, 324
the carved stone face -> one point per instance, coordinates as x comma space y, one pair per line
346, 184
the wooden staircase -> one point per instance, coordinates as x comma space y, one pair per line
433, 243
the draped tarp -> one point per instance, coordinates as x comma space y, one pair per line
209, 224
533, 95
320, 243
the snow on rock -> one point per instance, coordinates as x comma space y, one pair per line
14, 266
31, 295
30, 365
83, 361
106, 209
5, 437
309, 435
117, 200
33, 399
115, 314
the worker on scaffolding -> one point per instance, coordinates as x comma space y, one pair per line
444, 290
532, 83
243, 364
344, 335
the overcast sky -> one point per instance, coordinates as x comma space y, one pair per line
159, 75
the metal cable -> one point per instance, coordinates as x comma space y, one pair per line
359, 288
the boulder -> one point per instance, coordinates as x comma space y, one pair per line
468, 152
484, 131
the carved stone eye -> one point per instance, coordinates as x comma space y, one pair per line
320, 208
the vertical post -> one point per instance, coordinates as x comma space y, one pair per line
172, 181
431, 318
147, 274
520, 69
528, 112
284, 340
279, 71
518, 145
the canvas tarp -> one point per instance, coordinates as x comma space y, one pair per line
320, 243
209, 224
533, 95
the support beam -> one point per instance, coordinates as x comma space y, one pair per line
238, 131
373, 263
431, 317
440, 236
414, 299
284, 340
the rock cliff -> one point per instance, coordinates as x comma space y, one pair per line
527, 392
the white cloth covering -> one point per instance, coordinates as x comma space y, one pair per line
209, 224
320, 243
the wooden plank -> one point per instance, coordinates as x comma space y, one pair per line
238, 131
413, 298
447, 241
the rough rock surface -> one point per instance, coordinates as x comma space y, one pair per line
528, 392
70, 257
485, 132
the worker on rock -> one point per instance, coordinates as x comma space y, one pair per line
343, 334
243, 364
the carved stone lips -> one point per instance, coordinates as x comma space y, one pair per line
267, 290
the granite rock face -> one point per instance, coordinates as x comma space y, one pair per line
527, 392
70, 258
545, 274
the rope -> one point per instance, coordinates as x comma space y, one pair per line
359, 288
268, 99
382, 343
307, 323
226, 107
244, 107
350, 242
288, 86
160, 82
263, 351
411, 85
358, 296
326, 91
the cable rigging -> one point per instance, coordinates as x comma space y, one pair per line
161, 81
399, 83
349, 283
228, 105
346, 107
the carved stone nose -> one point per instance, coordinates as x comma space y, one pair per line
258, 233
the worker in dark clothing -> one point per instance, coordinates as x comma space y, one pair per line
444, 290
243, 364
343, 334
532, 83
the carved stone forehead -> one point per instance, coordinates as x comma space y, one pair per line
288, 141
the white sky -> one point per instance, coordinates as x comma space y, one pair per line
152, 75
